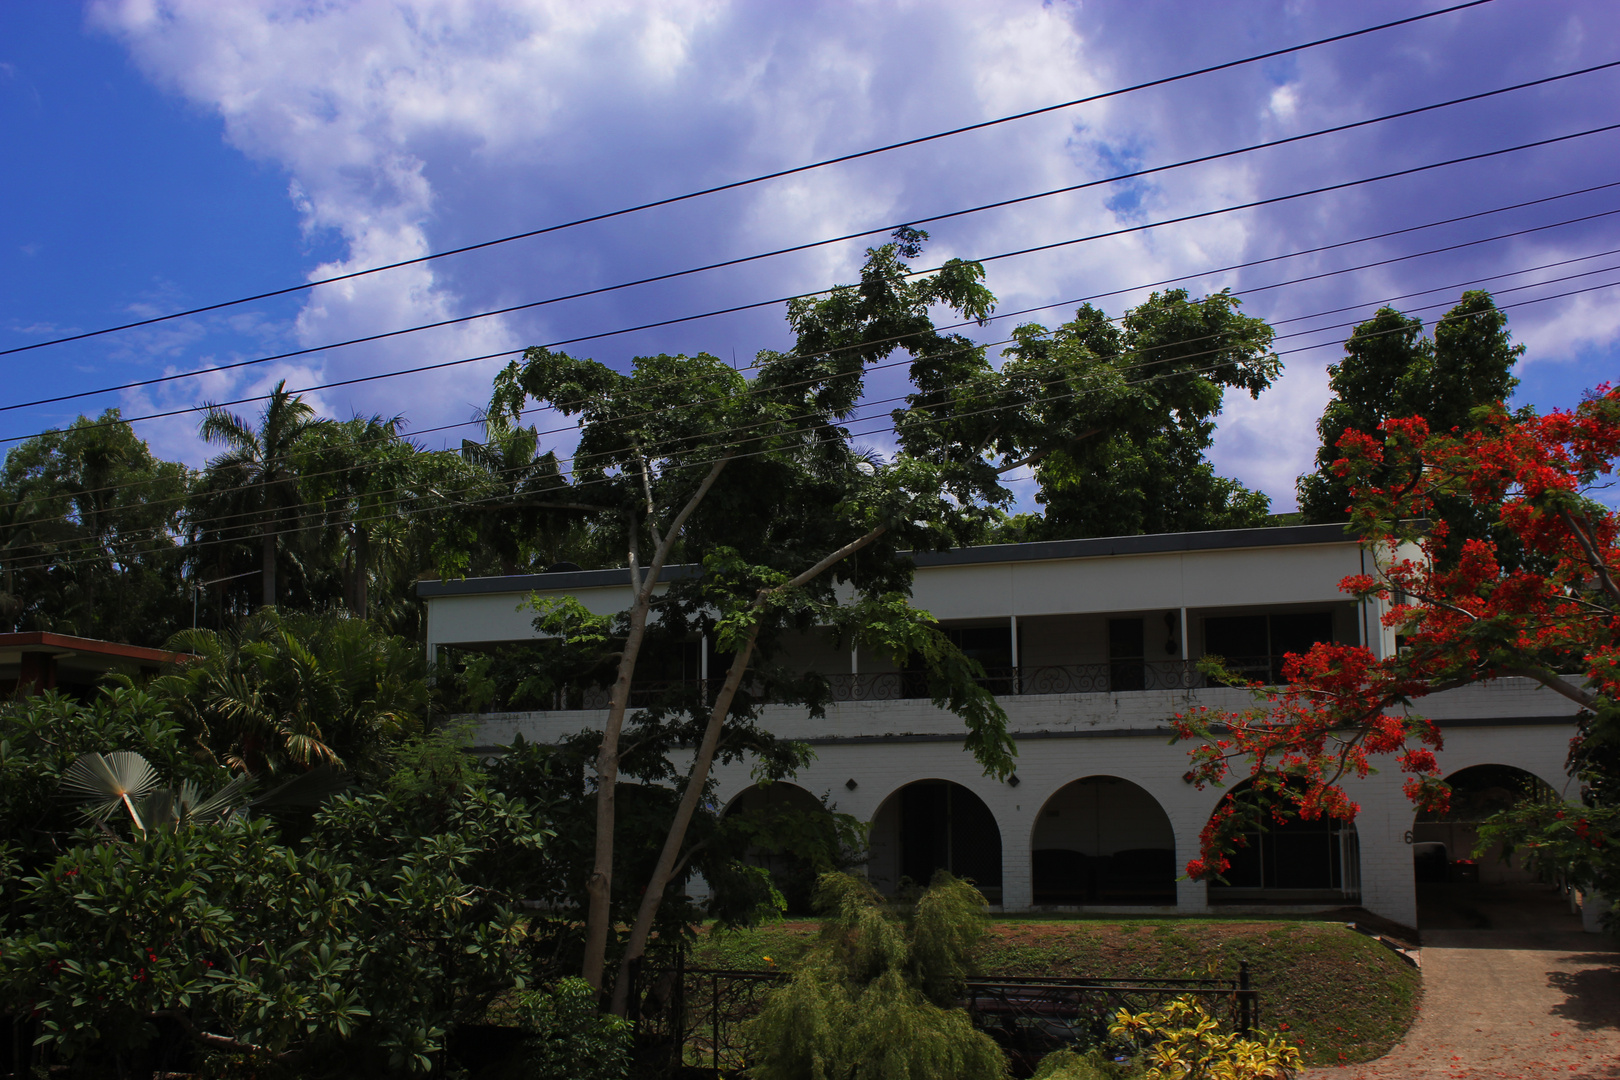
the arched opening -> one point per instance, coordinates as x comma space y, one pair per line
931, 825
1460, 886
784, 811
1294, 861
1103, 840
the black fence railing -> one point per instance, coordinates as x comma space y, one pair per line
1120, 676
692, 1019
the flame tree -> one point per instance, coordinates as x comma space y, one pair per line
1548, 609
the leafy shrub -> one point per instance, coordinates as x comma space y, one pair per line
353, 953
1180, 1041
1069, 1065
876, 996
569, 1039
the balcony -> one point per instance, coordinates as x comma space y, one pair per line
1110, 678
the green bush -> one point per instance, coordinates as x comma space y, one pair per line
354, 952
877, 994
568, 1039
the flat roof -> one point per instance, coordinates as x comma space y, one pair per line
1043, 550
43, 641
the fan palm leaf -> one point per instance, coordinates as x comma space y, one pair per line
106, 781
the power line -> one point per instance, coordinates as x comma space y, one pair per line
57, 562
851, 435
1042, 307
882, 230
735, 184
768, 303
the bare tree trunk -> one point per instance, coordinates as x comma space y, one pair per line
599, 886
362, 572
653, 897
270, 566
699, 776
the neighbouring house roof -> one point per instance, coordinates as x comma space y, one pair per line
1097, 547
36, 660
90, 650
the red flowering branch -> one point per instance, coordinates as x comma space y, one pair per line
1537, 598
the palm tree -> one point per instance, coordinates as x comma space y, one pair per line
361, 467
263, 463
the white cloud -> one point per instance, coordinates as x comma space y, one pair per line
418, 125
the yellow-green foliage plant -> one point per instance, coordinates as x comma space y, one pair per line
1183, 1042
876, 997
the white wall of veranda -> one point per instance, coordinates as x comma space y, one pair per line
867, 750
883, 746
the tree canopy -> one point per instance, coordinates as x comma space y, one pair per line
1465, 615
1390, 369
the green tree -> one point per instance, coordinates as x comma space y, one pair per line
684, 456
876, 996
502, 506
88, 533
256, 479
283, 692
360, 477
353, 953
1123, 415
1390, 369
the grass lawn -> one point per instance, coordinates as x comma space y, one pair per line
1346, 997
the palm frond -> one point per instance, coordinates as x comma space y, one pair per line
309, 789
223, 801
104, 781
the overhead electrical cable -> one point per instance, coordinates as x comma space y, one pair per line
998, 315
258, 536
735, 184
889, 228
870, 404
443, 364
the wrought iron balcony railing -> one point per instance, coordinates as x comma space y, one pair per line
1120, 676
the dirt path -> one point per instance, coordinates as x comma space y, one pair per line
1503, 1004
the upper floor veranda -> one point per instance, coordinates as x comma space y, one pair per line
1114, 615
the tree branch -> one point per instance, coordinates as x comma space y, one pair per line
842, 553
221, 1042
1554, 682
1599, 567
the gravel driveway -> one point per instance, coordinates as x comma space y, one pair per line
1500, 1003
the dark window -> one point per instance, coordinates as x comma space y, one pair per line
1296, 854
1297, 633
1125, 668
991, 646
944, 826
1254, 645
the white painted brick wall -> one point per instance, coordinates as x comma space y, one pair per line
881, 766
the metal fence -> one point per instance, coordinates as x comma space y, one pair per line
691, 1019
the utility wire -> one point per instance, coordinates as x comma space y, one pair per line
1006, 315
850, 435
882, 230
102, 555
779, 300
732, 185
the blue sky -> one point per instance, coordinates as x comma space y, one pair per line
168, 153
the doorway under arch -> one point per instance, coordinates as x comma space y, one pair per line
1459, 889
930, 825
793, 874
1103, 840
1294, 861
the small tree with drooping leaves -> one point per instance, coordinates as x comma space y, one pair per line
878, 994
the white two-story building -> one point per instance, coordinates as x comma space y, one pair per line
1091, 647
